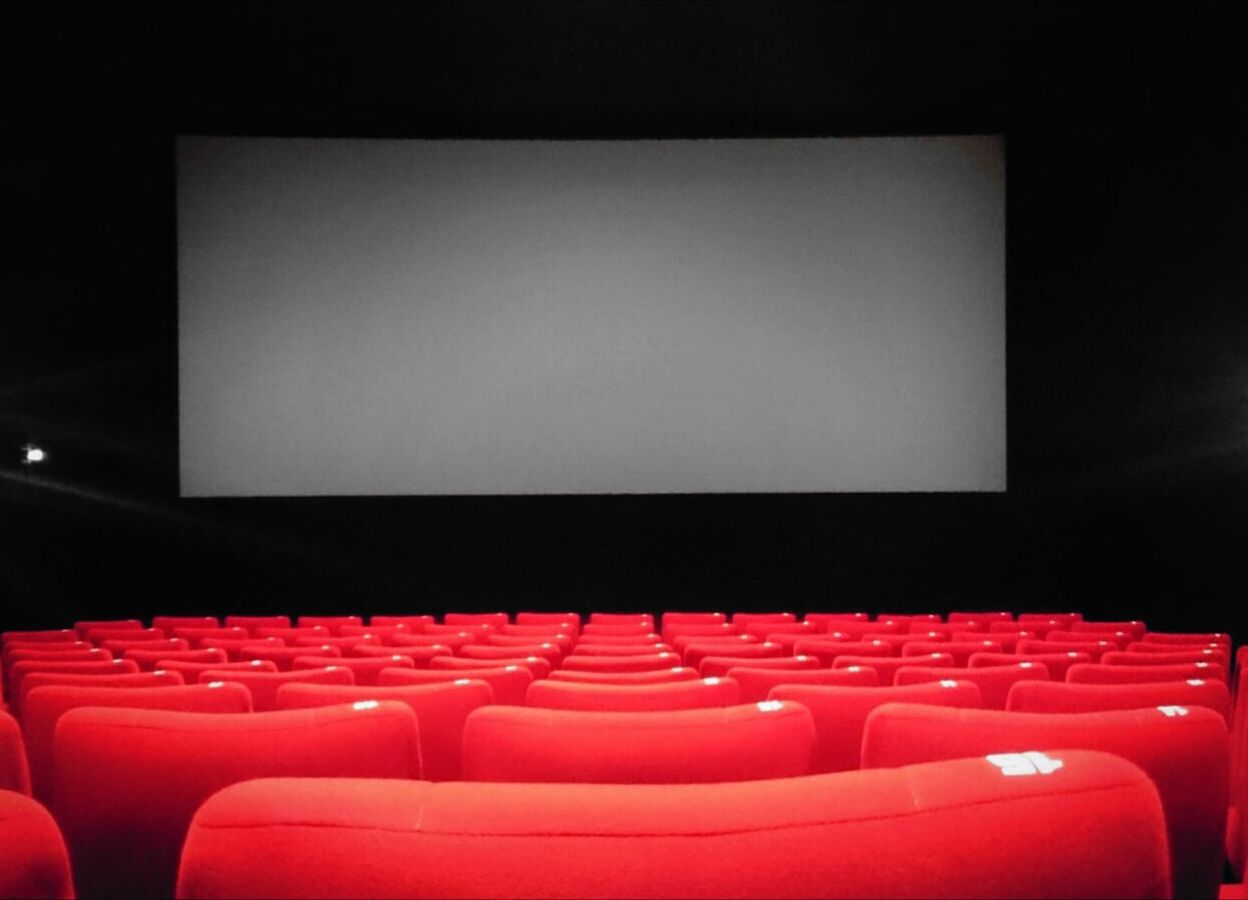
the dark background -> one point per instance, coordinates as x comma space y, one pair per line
1127, 315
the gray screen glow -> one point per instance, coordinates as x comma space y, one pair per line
520, 317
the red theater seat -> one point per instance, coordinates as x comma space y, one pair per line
85, 628
1091, 673
548, 651
705, 692
827, 651
508, 683
529, 634
197, 637
329, 623
1136, 628
623, 639
1204, 637
828, 621
562, 640
840, 713
994, 682
985, 617
695, 653
46, 705
1182, 749
440, 708
652, 676
1096, 649
1055, 697
671, 632
22, 669
1058, 664
764, 630
233, 647
381, 633
99, 634
343, 642
53, 636
1207, 654
128, 781
147, 659
168, 623
1091, 827
725, 641
416, 624
897, 641
718, 666
251, 623
961, 651
1062, 620
190, 670
33, 859
855, 629
886, 666
119, 646
284, 657
549, 618
591, 649
290, 635
14, 769
128, 679
679, 617
455, 641
1009, 641
365, 669
264, 685
604, 629
1120, 639
420, 656
756, 683
620, 663
537, 665
495, 620
478, 632
734, 743
946, 628
743, 619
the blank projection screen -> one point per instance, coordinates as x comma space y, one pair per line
569, 317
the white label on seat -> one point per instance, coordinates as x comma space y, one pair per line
1172, 711
1033, 762
770, 705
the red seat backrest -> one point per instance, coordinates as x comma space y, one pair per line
695, 653
961, 651
757, 683
33, 858
128, 781
1092, 673
734, 743
539, 666
147, 659
718, 666
1056, 697
886, 666
14, 768
1182, 749
253, 622
1058, 664
21, 669
548, 651
365, 669
284, 657
507, 682
922, 831
651, 662
46, 705
440, 709
840, 713
264, 685
994, 681
416, 623
168, 623
1207, 654
705, 692
650, 676
330, 623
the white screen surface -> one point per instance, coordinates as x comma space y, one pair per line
514, 317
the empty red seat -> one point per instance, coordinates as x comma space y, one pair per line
695, 653
364, 669
1018, 629
288, 634
756, 683
22, 669
382, 633
1182, 749
826, 651
342, 642
651, 676
620, 663
947, 628
46, 705
128, 781
679, 617
33, 860
606, 629
961, 651
854, 629
726, 641
897, 641
1120, 639
456, 641
1009, 641
742, 619
329, 623
949, 829
508, 683
440, 708
1096, 649
85, 628
763, 630
994, 682
416, 623
1149, 647
1061, 620
1092, 673
147, 659
284, 657
548, 651
168, 623
826, 621
264, 685
549, 618
127, 679
562, 640
591, 649
119, 646
886, 666
253, 622
496, 619
1217, 657
606, 618
718, 666
50, 636
704, 692
983, 617
671, 632
840, 713
14, 769
539, 666
1056, 697
90, 654
233, 647
638, 637
99, 634
478, 632
1136, 628
190, 670
1058, 664
1204, 637
420, 656
734, 743
197, 636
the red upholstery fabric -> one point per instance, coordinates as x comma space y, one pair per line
80, 653
620, 663
330, 623
734, 743
743, 619
824, 620
46, 705
670, 632
496, 619
167, 645
886, 666
705, 692
1034, 629
253, 622
381, 632
343, 642
233, 647
440, 708
718, 666
197, 636
548, 651
1009, 641
1120, 639
1175, 647
961, 651
1209, 655
1135, 627
1182, 749
1055, 697
653, 676
85, 627
518, 634
762, 630
695, 653
51, 636
284, 657
537, 665
22, 669
454, 641
994, 682
14, 769
727, 641
947, 628
592, 649
630, 639
897, 641
828, 650
365, 669
678, 617
479, 632
561, 639
608, 629
756, 683
953, 829
126, 680
416, 623
507, 682
984, 617
1091, 673
1203, 637
147, 659
854, 629
840, 713
121, 632
264, 685
289, 634
548, 618
190, 671
1058, 664
1095, 649
33, 859
128, 781
1063, 618
419, 656
168, 623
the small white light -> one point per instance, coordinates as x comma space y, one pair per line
365, 704
770, 705
32, 454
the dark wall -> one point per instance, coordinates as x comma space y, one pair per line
1127, 397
